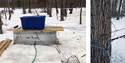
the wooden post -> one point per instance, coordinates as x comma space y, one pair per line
100, 29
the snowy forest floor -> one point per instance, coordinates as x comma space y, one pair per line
72, 39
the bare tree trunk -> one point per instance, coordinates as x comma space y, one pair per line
5, 13
1, 23
23, 4
65, 6
81, 16
100, 30
71, 6
81, 12
50, 12
29, 6
36, 12
50, 8
62, 13
114, 8
13, 4
9, 14
56, 7
47, 6
119, 10
44, 5
71, 10
9, 11
18, 3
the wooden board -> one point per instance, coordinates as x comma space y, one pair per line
55, 28
2, 43
6, 44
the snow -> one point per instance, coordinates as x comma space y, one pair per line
72, 39
118, 47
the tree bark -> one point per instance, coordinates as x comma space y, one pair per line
119, 9
100, 29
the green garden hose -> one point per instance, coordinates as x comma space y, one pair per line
35, 54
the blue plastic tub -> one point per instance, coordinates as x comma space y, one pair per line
33, 22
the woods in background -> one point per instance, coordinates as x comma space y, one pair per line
118, 8
47, 5
42, 3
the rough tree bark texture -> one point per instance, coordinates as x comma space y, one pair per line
100, 29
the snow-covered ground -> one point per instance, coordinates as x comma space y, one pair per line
118, 45
72, 39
